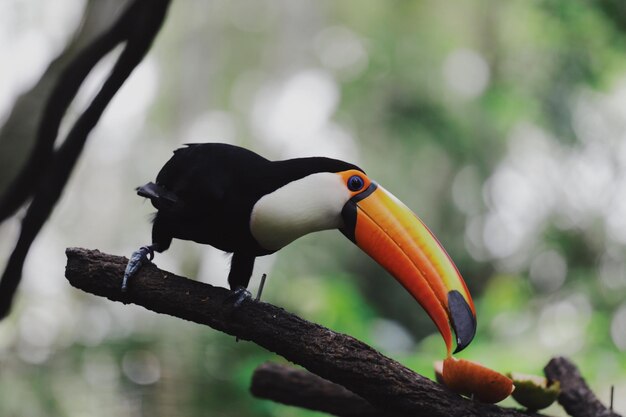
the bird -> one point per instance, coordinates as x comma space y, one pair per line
237, 201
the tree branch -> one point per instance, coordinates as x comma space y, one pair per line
64, 91
303, 389
576, 397
383, 382
18, 135
138, 26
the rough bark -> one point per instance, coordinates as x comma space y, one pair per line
575, 397
383, 382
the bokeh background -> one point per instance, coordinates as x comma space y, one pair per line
502, 124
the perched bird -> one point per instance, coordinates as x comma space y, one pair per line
237, 201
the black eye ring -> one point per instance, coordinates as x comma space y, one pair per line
355, 183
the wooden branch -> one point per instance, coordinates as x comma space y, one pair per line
140, 25
383, 382
64, 91
300, 388
576, 397
18, 135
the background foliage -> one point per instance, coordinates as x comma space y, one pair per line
500, 123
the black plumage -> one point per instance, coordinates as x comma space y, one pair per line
206, 192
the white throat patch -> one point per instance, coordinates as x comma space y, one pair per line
310, 204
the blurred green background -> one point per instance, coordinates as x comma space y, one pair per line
502, 124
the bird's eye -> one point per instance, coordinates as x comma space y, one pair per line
355, 183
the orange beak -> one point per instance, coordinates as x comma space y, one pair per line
388, 231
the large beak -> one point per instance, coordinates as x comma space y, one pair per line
389, 232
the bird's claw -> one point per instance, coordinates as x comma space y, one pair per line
136, 261
239, 295
149, 252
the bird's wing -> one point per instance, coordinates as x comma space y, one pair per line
192, 177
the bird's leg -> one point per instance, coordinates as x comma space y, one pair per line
137, 259
239, 276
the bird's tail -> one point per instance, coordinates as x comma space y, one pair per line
159, 196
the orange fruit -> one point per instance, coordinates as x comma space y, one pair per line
475, 380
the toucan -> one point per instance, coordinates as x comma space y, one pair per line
242, 203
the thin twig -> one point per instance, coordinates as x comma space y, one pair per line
261, 285
611, 403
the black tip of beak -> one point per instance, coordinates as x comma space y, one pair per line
463, 320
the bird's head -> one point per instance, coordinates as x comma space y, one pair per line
383, 227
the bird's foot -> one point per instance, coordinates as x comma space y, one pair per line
136, 261
238, 296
